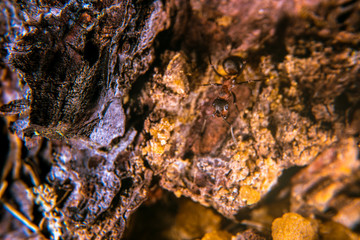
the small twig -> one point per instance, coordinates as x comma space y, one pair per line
3, 187
19, 216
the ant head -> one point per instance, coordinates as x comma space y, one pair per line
221, 108
233, 65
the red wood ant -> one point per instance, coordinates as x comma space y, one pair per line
233, 66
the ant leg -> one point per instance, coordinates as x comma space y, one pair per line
203, 127
232, 134
212, 66
231, 130
204, 123
234, 101
211, 84
247, 82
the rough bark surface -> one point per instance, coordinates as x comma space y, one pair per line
110, 103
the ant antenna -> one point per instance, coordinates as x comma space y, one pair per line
212, 66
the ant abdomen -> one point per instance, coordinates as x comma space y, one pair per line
233, 65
